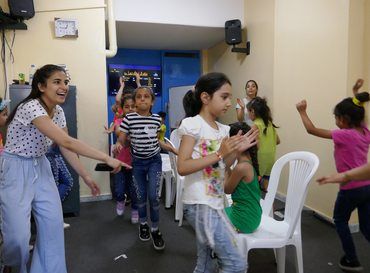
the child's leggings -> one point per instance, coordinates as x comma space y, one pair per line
27, 184
347, 201
147, 176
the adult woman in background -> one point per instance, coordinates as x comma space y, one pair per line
251, 89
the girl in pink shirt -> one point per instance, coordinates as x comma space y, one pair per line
351, 146
123, 179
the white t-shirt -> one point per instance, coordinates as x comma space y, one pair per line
206, 186
246, 115
23, 138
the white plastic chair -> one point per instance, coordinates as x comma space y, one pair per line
174, 138
278, 234
168, 176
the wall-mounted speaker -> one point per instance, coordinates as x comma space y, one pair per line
233, 32
21, 9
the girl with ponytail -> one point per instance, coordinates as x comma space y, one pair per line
351, 147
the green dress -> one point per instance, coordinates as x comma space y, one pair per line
266, 147
245, 212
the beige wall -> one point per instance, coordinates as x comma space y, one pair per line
259, 18
84, 57
367, 44
301, 49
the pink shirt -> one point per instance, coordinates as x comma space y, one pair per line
125, 154
350, 151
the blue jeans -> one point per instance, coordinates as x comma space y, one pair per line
347, 201
147, 176
122, 185
209, 226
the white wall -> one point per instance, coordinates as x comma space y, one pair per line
208, 13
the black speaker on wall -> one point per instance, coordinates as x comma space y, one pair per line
233, 32
21, 9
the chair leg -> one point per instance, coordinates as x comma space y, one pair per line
280, 259
161, 185
168, 189
299, 256
173, 190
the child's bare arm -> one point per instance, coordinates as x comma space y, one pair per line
232, 177
310, 127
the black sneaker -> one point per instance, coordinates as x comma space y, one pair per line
348, 266
144, 233
158, 242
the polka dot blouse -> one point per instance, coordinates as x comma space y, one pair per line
23, 138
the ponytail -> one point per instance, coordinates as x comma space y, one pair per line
352, 109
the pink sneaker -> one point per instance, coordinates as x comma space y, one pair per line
134, 216
120, 208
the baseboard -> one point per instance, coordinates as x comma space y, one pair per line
354, 228
101, 197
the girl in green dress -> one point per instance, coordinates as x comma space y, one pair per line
242, 183
268, 138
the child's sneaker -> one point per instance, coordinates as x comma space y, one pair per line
158, 242
144, 233
353, 266
134, 216
120, 208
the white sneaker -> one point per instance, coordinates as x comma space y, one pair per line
66, 225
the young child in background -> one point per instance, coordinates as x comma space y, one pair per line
351, 147
26, 181
204, 152
268, 138
242, 183
162, 130
122, 92
123, 180
142, 127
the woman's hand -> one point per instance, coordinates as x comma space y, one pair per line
95, 190
116, 164
241, 103
334, 178
301, 106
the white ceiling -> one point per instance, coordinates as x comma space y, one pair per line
164, 36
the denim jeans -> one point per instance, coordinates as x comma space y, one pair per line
123, 184
147, 176
347, 201
211, 229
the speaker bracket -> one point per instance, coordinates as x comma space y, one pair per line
246, 50
8, 22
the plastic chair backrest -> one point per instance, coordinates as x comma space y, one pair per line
302, 166
172, 156
175, 140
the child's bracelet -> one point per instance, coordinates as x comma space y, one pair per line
219, 155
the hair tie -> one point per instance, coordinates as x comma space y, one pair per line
357, 102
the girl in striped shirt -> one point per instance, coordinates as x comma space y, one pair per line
142, 127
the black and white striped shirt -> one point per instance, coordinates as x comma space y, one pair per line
143, 132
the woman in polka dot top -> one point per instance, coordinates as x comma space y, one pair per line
26, 179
